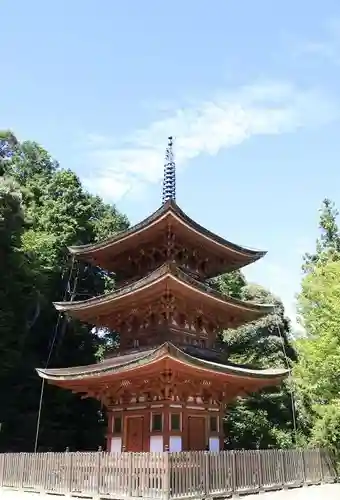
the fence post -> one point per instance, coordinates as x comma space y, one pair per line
206, 473
166, 475
130, 474
45, 470
22, 470
283, 469
69, 478
304, 475
2, 468
233, 472
259, 470
320, 464
99, 462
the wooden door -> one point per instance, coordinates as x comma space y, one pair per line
196, 433
134, 427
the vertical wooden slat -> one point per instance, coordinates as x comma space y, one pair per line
130, 474
259, 469
2, 468
22, 470
68, 473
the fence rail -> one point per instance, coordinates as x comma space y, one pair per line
165, 476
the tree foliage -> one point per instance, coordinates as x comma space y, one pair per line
328, 243
317, 373
43, 209
266, 419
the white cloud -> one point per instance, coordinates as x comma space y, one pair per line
227, 120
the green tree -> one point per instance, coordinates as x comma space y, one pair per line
266, 342
265, 419
57, 212
8, 145
317, 373
18, 294
16, 275
229, 283
319, 364
328, 244
326, 429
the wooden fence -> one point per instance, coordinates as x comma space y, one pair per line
165, 475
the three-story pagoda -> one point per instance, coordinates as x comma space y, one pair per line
167, 386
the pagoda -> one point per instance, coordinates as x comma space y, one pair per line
167, 386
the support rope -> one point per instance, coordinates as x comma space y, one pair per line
72, 294
292, 396
55, 334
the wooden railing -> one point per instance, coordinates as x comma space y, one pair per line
165, 475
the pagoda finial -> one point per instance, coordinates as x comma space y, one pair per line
169, 180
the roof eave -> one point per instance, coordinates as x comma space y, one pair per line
92, 247
165, 350
86, 250
163, 272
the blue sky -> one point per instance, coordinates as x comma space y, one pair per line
250, 91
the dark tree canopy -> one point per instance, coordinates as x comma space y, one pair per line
44, 208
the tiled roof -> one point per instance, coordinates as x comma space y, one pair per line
134, 360
169, 207
170, 270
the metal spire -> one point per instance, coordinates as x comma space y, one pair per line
169, 180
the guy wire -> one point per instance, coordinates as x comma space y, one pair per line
291, 390
49, 357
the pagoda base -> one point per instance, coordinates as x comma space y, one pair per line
165, 426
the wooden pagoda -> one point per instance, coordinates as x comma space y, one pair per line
167, 386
